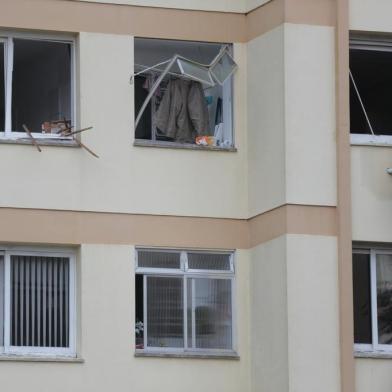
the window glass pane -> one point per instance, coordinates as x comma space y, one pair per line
223, 68
209, 261
151, 259
384, 298
1, 300
39, 301
195, 72
210, 313
362, 301
41, 83
2, 87
165, 312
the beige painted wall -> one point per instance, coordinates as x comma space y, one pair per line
107, 339
295, 320
265, 99
126, 178
269, 317
373, 375
313, 314
239, 6
368, 15
291, 117
310, 137
371, 193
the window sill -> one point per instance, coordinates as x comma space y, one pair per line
202, 355
180, 146
373, 354
370, 140
41, 142
36, 358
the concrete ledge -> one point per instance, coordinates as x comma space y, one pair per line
231, 356
32, 358
41, 142
179, 146
374, 354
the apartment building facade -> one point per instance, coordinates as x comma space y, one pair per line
223, 228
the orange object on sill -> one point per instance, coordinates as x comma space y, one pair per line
205, 141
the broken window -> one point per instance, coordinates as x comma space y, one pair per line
183, 92
37, 86
370, 87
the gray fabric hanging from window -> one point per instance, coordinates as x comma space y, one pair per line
183, 112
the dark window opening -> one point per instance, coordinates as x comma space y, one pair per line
139, 316
362, 299
41, 83
371, 71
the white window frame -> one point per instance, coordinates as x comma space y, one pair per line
374, 347
7, 38
377, 45
8, 349
187, 274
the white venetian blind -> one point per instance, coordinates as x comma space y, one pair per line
40, 301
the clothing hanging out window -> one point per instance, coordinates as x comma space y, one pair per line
370, 88
193, 103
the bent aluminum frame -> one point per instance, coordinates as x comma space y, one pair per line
171, 62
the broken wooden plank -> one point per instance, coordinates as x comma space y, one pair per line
75, 132
86, 148
31, 137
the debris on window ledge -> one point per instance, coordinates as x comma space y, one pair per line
57, 142
60, 133
186, 146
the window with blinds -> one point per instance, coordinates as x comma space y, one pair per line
184, 300
37, 303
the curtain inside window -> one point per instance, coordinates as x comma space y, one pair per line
165, 312
209, 313
39, 301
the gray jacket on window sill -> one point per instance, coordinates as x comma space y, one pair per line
183, 112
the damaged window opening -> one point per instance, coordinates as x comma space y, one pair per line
37, 87
193, 103
370, 86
